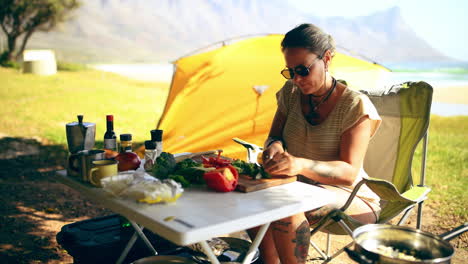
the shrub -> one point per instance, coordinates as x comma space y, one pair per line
4, 62
67, 66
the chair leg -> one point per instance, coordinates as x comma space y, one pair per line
337, 253
405, 215
335, 216
320, 225
419, 218
321, 253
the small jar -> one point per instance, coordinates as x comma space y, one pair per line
126, 143
128, 160
151, 154
156, 136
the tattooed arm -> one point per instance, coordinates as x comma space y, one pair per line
353, 147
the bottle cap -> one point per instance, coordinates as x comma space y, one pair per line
149, 144
156, 135
125, 137
109, 117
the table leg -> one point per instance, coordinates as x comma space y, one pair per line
127, 248
253, 248
209, 252
131, 242
143, 237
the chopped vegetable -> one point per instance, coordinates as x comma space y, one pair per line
186, 163
395, 253
216, 162
185, 172
164, 165
194, 175
222, 179
180, 179
251, 169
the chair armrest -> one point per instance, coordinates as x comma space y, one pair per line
352, 195
417, 193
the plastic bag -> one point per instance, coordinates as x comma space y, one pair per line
140, 186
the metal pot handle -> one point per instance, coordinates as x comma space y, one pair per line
359, 258
454, 232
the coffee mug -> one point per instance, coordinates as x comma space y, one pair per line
102, 169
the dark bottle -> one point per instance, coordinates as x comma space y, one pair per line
127, 159
110, 139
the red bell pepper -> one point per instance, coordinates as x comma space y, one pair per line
222, 179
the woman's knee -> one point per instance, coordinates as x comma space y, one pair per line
315, 215
364, 212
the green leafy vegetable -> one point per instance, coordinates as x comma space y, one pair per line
186, 163
164, 166
193, 175
251, 169
265, 175
180, 179
186, 172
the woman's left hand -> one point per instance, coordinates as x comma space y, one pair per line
283, 164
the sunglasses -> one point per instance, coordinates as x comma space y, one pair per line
300, 70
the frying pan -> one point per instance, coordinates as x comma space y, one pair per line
382, 244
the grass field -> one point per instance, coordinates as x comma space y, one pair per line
447, 165
41, 106
35, 106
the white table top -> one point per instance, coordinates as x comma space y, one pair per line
201, 214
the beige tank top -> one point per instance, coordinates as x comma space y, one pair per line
322, 141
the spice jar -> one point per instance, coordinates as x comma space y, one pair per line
151, 154
128, 160
156, 136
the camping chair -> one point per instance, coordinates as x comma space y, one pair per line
405, 113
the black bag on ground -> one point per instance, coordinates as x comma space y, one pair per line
102, 240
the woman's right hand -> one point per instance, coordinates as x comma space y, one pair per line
274, 148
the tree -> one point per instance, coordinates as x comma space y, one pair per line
21, 18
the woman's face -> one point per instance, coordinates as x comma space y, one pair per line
314, 81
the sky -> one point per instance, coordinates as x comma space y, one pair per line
442, 23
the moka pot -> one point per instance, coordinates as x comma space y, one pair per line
80, 135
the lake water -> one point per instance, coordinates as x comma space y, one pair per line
438, 80
162, 72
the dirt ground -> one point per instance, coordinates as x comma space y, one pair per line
34, 207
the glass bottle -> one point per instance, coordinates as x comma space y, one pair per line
110, 139
150, 154
126, 143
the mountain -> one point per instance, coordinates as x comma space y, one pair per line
124, 31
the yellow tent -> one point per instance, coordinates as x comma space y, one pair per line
230, 92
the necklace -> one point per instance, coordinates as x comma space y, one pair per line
313, 115
317, 96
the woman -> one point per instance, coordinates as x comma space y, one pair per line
320, 132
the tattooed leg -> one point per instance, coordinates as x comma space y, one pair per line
282, 226
302, 242
291, 236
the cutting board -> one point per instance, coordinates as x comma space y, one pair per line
247, 184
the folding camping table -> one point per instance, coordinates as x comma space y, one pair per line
201, 214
